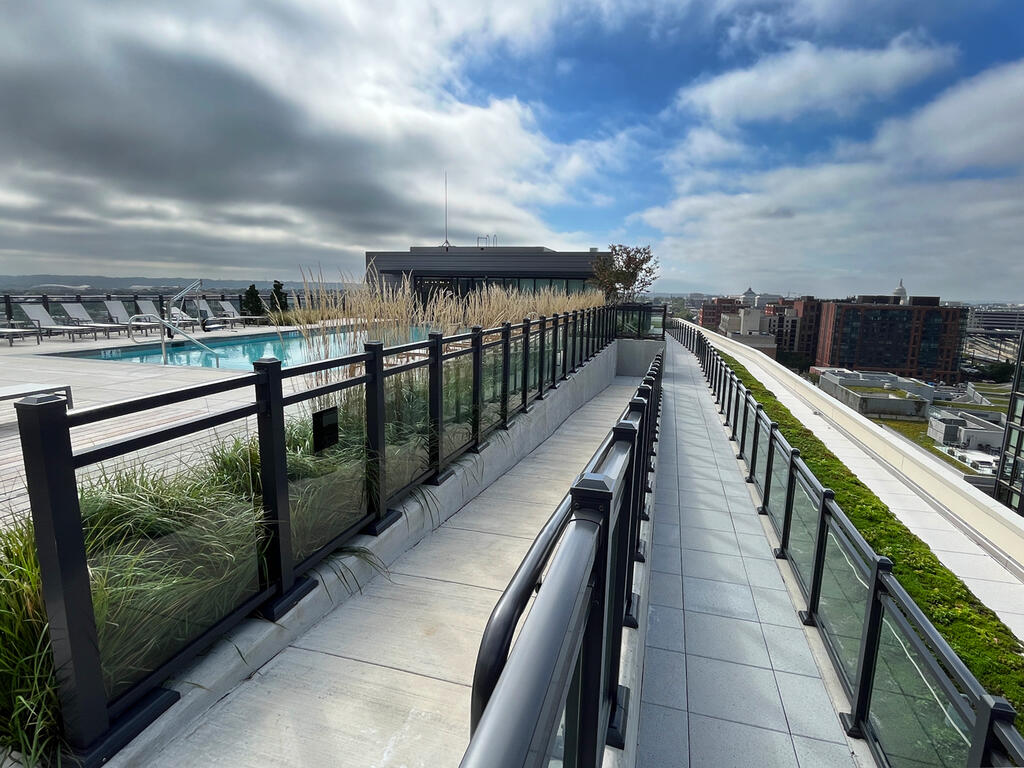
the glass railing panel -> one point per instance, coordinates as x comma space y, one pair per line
490, 387
406, 428
780, 481
912, 715
844, 595
803, 534
457, 401
761, 463
515, 373
172, 536
325, 441
748, 438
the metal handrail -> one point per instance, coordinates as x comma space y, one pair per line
163, 339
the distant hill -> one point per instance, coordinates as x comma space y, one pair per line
63, 284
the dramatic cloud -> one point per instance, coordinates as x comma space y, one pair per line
808, 79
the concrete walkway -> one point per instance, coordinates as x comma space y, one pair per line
993, 584
729, 678
385, 679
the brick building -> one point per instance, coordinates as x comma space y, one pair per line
710, 314
914, 337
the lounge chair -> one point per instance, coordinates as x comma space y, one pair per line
119, 314
207, 313
182, 318
20, 333
231, 313
80, 316
41, 319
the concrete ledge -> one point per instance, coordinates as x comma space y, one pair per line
1000, 527
241, 653
636, 355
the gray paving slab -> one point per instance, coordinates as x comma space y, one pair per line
754, 694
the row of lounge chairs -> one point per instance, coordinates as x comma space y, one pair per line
80, 322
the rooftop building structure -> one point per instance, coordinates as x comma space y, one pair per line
462, 269
710, 313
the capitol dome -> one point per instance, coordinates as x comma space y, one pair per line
900, 292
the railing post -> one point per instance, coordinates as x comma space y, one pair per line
435, 407
278, 569
773, 428
870, 637
591, 501
526, 363
664, 320
566, 360
808, 617
638, 494
743, 427
990, 710
541, 349
575, 338
477, 344
376, 459
554, 351
787, 515
506, 370
8, 308
63, 567
753, 443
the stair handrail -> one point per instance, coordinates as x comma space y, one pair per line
150, 317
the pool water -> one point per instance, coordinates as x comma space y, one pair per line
240, 353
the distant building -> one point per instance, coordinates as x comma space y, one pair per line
962, 429
462, 269
710, 314
751, 327
908, 336
996, 319
1010, 474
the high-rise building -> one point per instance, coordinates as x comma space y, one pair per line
808, 312
1010, 474
908, 336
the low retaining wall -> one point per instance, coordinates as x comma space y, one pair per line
255, 642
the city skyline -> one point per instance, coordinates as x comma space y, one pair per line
824, 148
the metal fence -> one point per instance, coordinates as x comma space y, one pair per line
911, 697
319, 465
557, 700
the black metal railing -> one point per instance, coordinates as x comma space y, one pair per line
911, 697
557, 697
641, 321
328, 460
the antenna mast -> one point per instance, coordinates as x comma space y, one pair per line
446, 243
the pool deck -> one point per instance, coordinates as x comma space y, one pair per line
95, 382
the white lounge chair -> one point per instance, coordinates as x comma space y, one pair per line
207, 313
232, 313
80, 316
181, 317
119, 314
20, 333
41, 319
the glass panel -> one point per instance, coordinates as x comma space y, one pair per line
491, 386
406, 428
844, 595
532, 380
515, 373
549, 353
171, 537
762, 456
780, 479
326, 489
748, 439
458, 403
910, 712
803, 534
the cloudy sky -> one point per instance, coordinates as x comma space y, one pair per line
805, 146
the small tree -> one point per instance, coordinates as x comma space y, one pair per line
626, 272
279, 297
252, 304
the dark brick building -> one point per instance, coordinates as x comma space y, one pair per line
918, 338
710, 314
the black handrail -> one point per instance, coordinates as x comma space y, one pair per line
993, 740
572, 638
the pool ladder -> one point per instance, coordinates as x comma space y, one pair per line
148, 317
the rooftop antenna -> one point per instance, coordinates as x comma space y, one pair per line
446, 243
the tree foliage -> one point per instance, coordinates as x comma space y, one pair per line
252, 304
279, 297
626, 272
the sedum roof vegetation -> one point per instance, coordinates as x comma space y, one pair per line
985, 644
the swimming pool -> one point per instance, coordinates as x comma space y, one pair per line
237, 353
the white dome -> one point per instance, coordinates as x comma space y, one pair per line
900, 290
